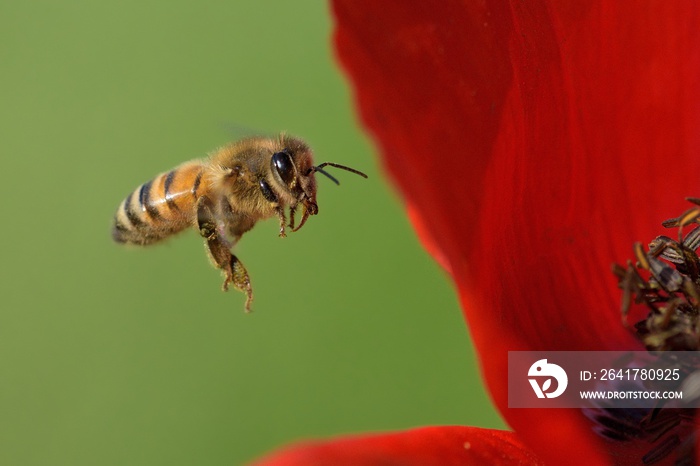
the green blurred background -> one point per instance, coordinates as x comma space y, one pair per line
113, 356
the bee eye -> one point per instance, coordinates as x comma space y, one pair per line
283, 164
267, 191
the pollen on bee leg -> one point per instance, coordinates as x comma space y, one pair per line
207, 232
241, 281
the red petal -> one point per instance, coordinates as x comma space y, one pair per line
534, 143
440, 446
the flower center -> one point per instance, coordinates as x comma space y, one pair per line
666, 281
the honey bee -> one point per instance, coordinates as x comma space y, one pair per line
223, 197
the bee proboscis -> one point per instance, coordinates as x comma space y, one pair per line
223, 197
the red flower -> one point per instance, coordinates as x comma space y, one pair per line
533, 143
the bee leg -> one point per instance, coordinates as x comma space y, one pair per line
240, 280
283, 222
219, 250
292, 211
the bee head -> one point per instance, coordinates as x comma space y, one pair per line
293, 168
290, 165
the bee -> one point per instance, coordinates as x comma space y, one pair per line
223, 197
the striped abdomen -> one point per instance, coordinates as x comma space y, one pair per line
160, 207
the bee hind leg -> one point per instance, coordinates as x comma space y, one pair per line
238, 275
219, 251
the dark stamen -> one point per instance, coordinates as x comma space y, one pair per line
666, 280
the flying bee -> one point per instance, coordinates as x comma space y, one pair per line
223, 197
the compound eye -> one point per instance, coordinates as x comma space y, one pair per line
284, 165
267, 191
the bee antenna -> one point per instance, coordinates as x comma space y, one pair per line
319, 168
324, 172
